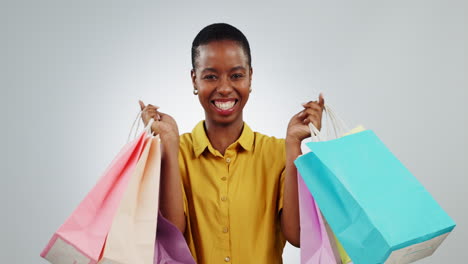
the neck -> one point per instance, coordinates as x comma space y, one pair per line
223, 135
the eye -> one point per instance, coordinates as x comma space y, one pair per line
209, 77
237, 75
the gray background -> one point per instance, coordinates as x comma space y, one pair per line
73, 71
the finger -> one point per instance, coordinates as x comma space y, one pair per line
155, 127
142, 105
317, 125
315, 118
316, 103
151, 110
153, 113
310, 104
153, 106
321, 100
307, 121
316, 110
314, 106
148, 113
161, 116
301, 115
307, 103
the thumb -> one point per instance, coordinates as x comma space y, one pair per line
321, 101
142, 105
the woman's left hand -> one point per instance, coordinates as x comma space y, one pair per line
298, 128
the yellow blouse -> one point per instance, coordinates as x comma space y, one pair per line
232, 202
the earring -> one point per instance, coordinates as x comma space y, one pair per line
195, 91
250, 90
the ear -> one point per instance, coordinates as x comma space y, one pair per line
250, 73
193, 76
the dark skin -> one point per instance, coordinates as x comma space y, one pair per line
222, 72
223, 80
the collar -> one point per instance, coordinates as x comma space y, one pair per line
201, 141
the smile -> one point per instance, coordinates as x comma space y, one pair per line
224, 106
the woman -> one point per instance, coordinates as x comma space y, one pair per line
238, 202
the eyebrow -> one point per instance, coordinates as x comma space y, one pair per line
214, 70
238, 68
209, 69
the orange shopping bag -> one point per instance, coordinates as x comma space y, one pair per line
131, 238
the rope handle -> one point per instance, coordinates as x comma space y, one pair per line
333, 121
147, 128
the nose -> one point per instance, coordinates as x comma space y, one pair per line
225, 86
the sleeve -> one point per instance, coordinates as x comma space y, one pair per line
183, 171
281, 190
184, 196
282, 158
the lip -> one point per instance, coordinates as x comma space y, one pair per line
225, 112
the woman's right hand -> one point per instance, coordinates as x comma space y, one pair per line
164, 126
171, 203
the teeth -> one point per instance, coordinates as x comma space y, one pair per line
224, 105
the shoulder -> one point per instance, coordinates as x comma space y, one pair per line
186, 143
186, 139
186, 152
271, 144
269, 151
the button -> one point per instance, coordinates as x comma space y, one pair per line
228, 160
225, 230
223, 198
223, 178
227, 259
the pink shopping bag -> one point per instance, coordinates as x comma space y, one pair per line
316, 246
81, 238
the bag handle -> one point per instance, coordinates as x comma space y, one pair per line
147, 128
333, 121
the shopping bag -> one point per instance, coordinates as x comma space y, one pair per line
131, 238
81, 238
318, 242
374, 205
338, 249
170, 247
316, 247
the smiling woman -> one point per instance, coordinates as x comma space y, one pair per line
222, 77
231, 191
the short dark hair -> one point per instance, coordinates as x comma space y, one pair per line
218, 32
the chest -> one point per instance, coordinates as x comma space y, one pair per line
241, 185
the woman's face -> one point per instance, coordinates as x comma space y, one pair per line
222, 77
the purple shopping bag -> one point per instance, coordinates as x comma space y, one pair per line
316, 247
170, 247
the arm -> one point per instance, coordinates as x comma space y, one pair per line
290, 213
298, 130
171, 200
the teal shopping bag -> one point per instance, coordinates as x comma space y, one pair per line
377, 209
